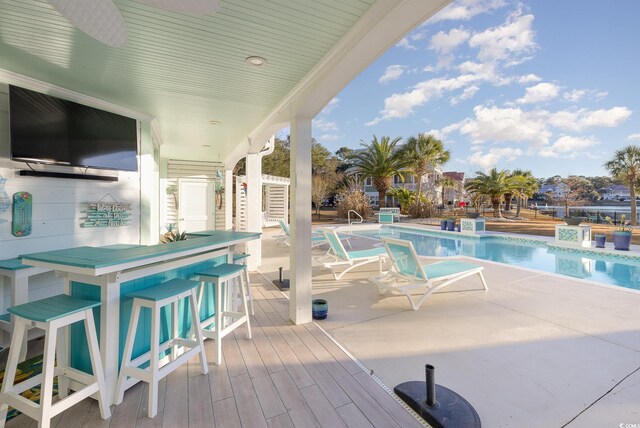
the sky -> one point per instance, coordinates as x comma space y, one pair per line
543, 85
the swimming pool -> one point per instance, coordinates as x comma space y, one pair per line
526, 253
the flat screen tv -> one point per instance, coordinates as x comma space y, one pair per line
46, 129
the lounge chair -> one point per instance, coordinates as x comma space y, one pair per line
339, 257
317, 239
416, 280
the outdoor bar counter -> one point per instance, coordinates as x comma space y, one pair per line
109, 273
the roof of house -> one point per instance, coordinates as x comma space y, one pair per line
456, 176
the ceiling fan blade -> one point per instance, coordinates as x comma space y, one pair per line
98, 18
195, 7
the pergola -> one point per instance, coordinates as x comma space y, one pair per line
187, 80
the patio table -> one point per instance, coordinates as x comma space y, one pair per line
108, 273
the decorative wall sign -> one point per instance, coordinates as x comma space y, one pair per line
21, 225
107, 213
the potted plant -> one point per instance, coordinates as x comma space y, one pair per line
621, 236
451, 224
572, 221
601, 239
443, 224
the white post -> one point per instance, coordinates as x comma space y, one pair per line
228, 199
300, 254
254, 208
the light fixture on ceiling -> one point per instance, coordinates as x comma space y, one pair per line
215, 122
256, 61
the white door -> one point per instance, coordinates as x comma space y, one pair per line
197, 205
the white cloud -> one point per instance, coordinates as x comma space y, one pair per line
528, 78
331, 106
633, 137
466, 9
330, 137
324, 125
574, 95
506, 42
505, 124
468, 93
568, 147
444, 132
402, 105
539, 93
582, 119
446, 42
404, 43
491, 158
393, 72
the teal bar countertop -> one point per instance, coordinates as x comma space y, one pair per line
102, 257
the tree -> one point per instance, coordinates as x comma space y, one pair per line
525, 184
422, 154
625, 166
277, 163
321, 186
381, 162
577, 192
404, 196
445, 183
494, 185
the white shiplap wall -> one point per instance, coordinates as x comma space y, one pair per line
176, 169
57, 205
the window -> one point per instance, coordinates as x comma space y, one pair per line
367, 181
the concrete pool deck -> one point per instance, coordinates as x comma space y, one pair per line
535, 350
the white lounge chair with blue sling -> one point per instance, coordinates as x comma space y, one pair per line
416, 280
317, 239
339, 257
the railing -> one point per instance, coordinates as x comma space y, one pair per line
349, 218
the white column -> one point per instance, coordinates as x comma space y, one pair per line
228, 199
254, 208
300, 292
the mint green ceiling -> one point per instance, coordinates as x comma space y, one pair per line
184, 70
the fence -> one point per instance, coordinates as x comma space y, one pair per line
590, 215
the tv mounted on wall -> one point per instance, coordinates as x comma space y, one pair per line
47, 129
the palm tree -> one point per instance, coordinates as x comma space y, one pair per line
380, 161
422, 154
525, 184
494, 185
625, 166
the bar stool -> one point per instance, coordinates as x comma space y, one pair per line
154, 298
51, 314
241, 259
220, 276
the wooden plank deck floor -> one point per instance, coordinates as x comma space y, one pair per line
287, 376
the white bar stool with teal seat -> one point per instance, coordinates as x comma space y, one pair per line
241, 259
224, 321
50, 315
168, 293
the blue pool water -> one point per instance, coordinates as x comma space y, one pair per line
607, 269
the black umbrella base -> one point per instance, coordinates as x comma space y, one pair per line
282, 285
451, 410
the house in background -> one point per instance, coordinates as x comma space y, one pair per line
456, 193
429, 187
558, 190
615, 192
